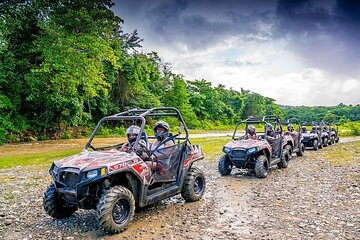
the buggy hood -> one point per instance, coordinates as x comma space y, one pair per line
245, 144
91, 160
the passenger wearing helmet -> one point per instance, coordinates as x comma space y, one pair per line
162, 143
251, 133
313, 130
132, 132
290, 127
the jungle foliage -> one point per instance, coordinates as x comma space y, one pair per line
66, 64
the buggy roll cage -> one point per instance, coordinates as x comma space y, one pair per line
292, 121
253, 120
140, 114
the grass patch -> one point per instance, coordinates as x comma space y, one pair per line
212, 147
343, 155
45, 158
9, 196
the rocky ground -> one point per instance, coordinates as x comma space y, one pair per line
314, 198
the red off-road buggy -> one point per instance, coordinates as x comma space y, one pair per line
115, 182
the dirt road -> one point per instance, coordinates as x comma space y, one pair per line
314, 198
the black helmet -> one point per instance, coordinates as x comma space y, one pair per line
160, 136
251, 130
304, 129
132, 129
290, 127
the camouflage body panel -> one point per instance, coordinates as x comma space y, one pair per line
195, 154
288, 138
115, 161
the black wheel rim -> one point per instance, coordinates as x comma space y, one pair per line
121, 211
198, 185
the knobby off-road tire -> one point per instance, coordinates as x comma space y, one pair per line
115, 209
325, 142
301, 150
224, 166
55, 206
289, 149
194, 185
315, 145
262, 166
284, 162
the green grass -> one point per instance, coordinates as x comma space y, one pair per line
45, 158
212, 147
344, 154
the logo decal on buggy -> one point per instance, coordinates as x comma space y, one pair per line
118, 166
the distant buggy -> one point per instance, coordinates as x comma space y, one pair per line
255, 152
311, 136
114, 182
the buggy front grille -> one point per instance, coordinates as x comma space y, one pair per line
239, 153
70, 179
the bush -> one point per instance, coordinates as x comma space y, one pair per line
355, 128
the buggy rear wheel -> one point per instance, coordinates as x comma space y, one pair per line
325, 142
315, 144
262, 166
284, 162
224, 166
289, 149
301, 150
115, 209
194, 185
55, 206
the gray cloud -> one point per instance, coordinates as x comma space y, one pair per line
324, 34
197, 28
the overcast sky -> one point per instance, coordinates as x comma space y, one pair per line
299, 52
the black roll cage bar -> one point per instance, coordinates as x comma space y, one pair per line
140, 114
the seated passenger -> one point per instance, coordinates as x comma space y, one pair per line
313, 130
270, 133
291, 129
132, 132
303, 129
162, 143
251, 133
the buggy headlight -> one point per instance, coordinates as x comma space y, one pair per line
252, 150
226, 150
92, 174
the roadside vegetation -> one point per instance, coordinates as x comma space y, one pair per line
58, 79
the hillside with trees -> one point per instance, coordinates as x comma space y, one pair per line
67, 64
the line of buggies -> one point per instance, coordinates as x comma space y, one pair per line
115, 177
265, 143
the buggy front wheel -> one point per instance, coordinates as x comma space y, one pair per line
194, 185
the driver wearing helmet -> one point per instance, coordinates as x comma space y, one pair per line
132, 132
251, 133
